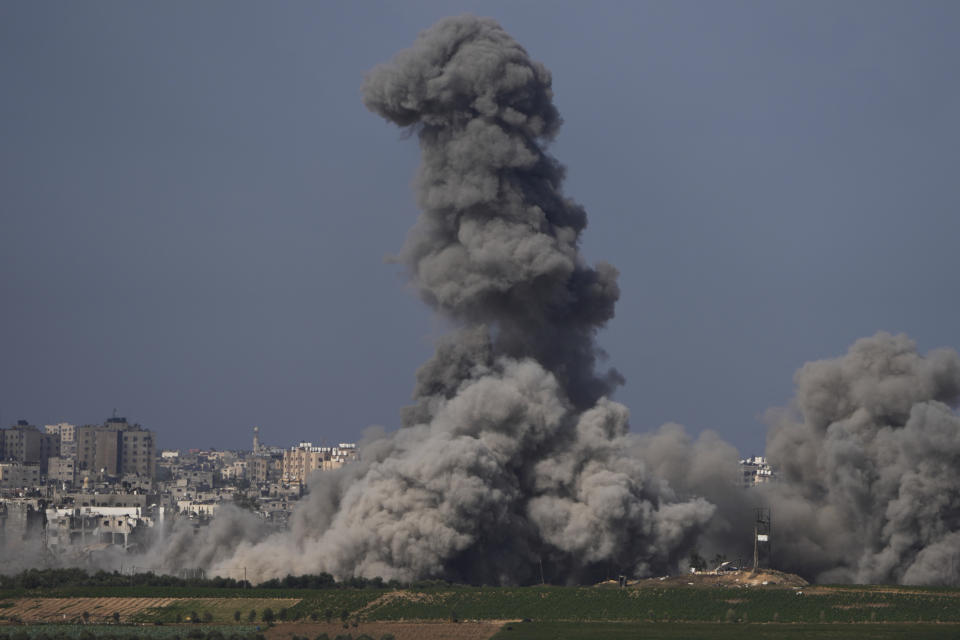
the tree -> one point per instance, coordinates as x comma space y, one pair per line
328, 614
236, 615
344, 615
86, 616
253, 615
116, 616
267, 615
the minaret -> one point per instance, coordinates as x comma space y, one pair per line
256, 439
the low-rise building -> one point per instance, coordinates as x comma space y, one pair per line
202, 509
19, 475
62, 470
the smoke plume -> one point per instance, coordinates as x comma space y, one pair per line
869, 454
511, 455
513, 462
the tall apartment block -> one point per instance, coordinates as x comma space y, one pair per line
117, 448
67, 433
25, 443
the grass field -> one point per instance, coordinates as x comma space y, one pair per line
648, 611
78, 631
695, 631
691, 604
676, 604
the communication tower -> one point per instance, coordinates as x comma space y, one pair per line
761, 538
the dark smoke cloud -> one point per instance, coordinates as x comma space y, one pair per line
869, 452
511, 453
496, 244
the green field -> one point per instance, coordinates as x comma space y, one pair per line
547, 603
692, 631
647, 611
693, 604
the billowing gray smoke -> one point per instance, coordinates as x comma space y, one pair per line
511, 454
496, 244
870, 457
513, 457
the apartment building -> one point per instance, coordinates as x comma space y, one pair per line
23, 442
117, 448
302, 460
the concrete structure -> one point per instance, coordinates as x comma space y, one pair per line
19, 475
235, 471
754, 471
69, 527
200, 508
64, 430
67, 433
300, 461
20, 519
195, 478
98, 450
25, 443
264, 468
62, 470
115, 449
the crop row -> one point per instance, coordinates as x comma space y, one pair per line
694, 604
710, 604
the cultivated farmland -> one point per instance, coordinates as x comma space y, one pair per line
652, 609
63, 610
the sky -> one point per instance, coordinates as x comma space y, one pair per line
197, 212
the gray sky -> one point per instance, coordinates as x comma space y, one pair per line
195, 206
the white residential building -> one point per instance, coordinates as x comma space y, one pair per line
755, 470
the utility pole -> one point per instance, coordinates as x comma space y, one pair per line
761, 538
